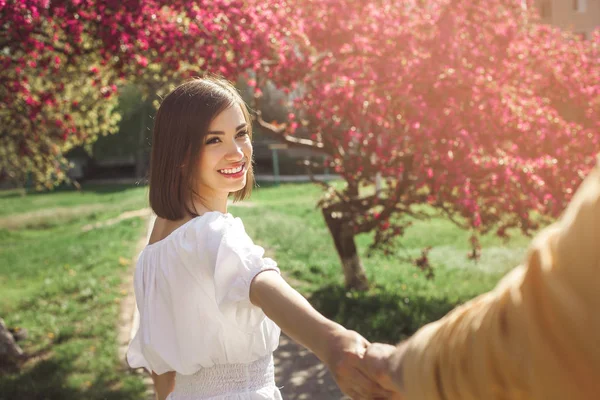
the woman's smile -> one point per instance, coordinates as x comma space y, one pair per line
235, 171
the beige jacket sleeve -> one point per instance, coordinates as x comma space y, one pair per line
536, 335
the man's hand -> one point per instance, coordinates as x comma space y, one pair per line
383, 365
345, 361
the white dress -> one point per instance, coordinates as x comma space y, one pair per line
196, 318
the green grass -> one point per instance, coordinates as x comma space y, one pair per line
44, 210
18, 201
284, 220
63, 286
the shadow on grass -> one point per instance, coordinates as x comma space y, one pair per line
379, 315
109, 188
48, 380
91, 187
11, 193
29, 191
272, 184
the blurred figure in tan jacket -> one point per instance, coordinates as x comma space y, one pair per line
536, 336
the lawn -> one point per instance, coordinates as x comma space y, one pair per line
284, 221
63, 284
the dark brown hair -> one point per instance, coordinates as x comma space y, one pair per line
180, 127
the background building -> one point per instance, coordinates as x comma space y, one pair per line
579, 16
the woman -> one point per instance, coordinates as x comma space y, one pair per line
211, 306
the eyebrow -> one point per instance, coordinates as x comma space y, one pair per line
222, 133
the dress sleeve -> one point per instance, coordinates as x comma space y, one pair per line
238, 261
536, 335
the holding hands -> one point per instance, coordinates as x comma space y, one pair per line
362, 370
346, 361
383, 363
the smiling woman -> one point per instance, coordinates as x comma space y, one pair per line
211, 305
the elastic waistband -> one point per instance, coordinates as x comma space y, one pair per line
225, 379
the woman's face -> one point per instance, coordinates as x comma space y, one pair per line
226, 154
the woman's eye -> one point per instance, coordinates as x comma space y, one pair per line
213, 140
242, 133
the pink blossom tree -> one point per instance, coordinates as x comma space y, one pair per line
62, 62
470, 107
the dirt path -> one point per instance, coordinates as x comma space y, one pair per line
298, 372
142, 213
129, 317
40, 217
301, 375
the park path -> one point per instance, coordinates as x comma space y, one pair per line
299, 374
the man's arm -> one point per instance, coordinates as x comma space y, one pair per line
536, 336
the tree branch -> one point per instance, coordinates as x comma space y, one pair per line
390, 204
279, 133
450, 216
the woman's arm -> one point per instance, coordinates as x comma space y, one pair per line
163, 384
340, 350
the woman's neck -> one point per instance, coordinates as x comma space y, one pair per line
212, 203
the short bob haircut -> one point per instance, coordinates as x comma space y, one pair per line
180, 128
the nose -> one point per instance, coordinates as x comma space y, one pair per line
234, 153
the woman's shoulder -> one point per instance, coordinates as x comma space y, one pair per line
216, 223
212, 223
214, 232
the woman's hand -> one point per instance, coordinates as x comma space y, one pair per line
383, 363
345, 359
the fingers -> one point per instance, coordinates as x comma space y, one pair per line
355, 381
349, 368
366, 388
377, 366
376, 359
361, 344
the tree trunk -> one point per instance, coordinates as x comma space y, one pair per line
343, 238
10, 352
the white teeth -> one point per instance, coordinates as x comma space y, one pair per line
231, 170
